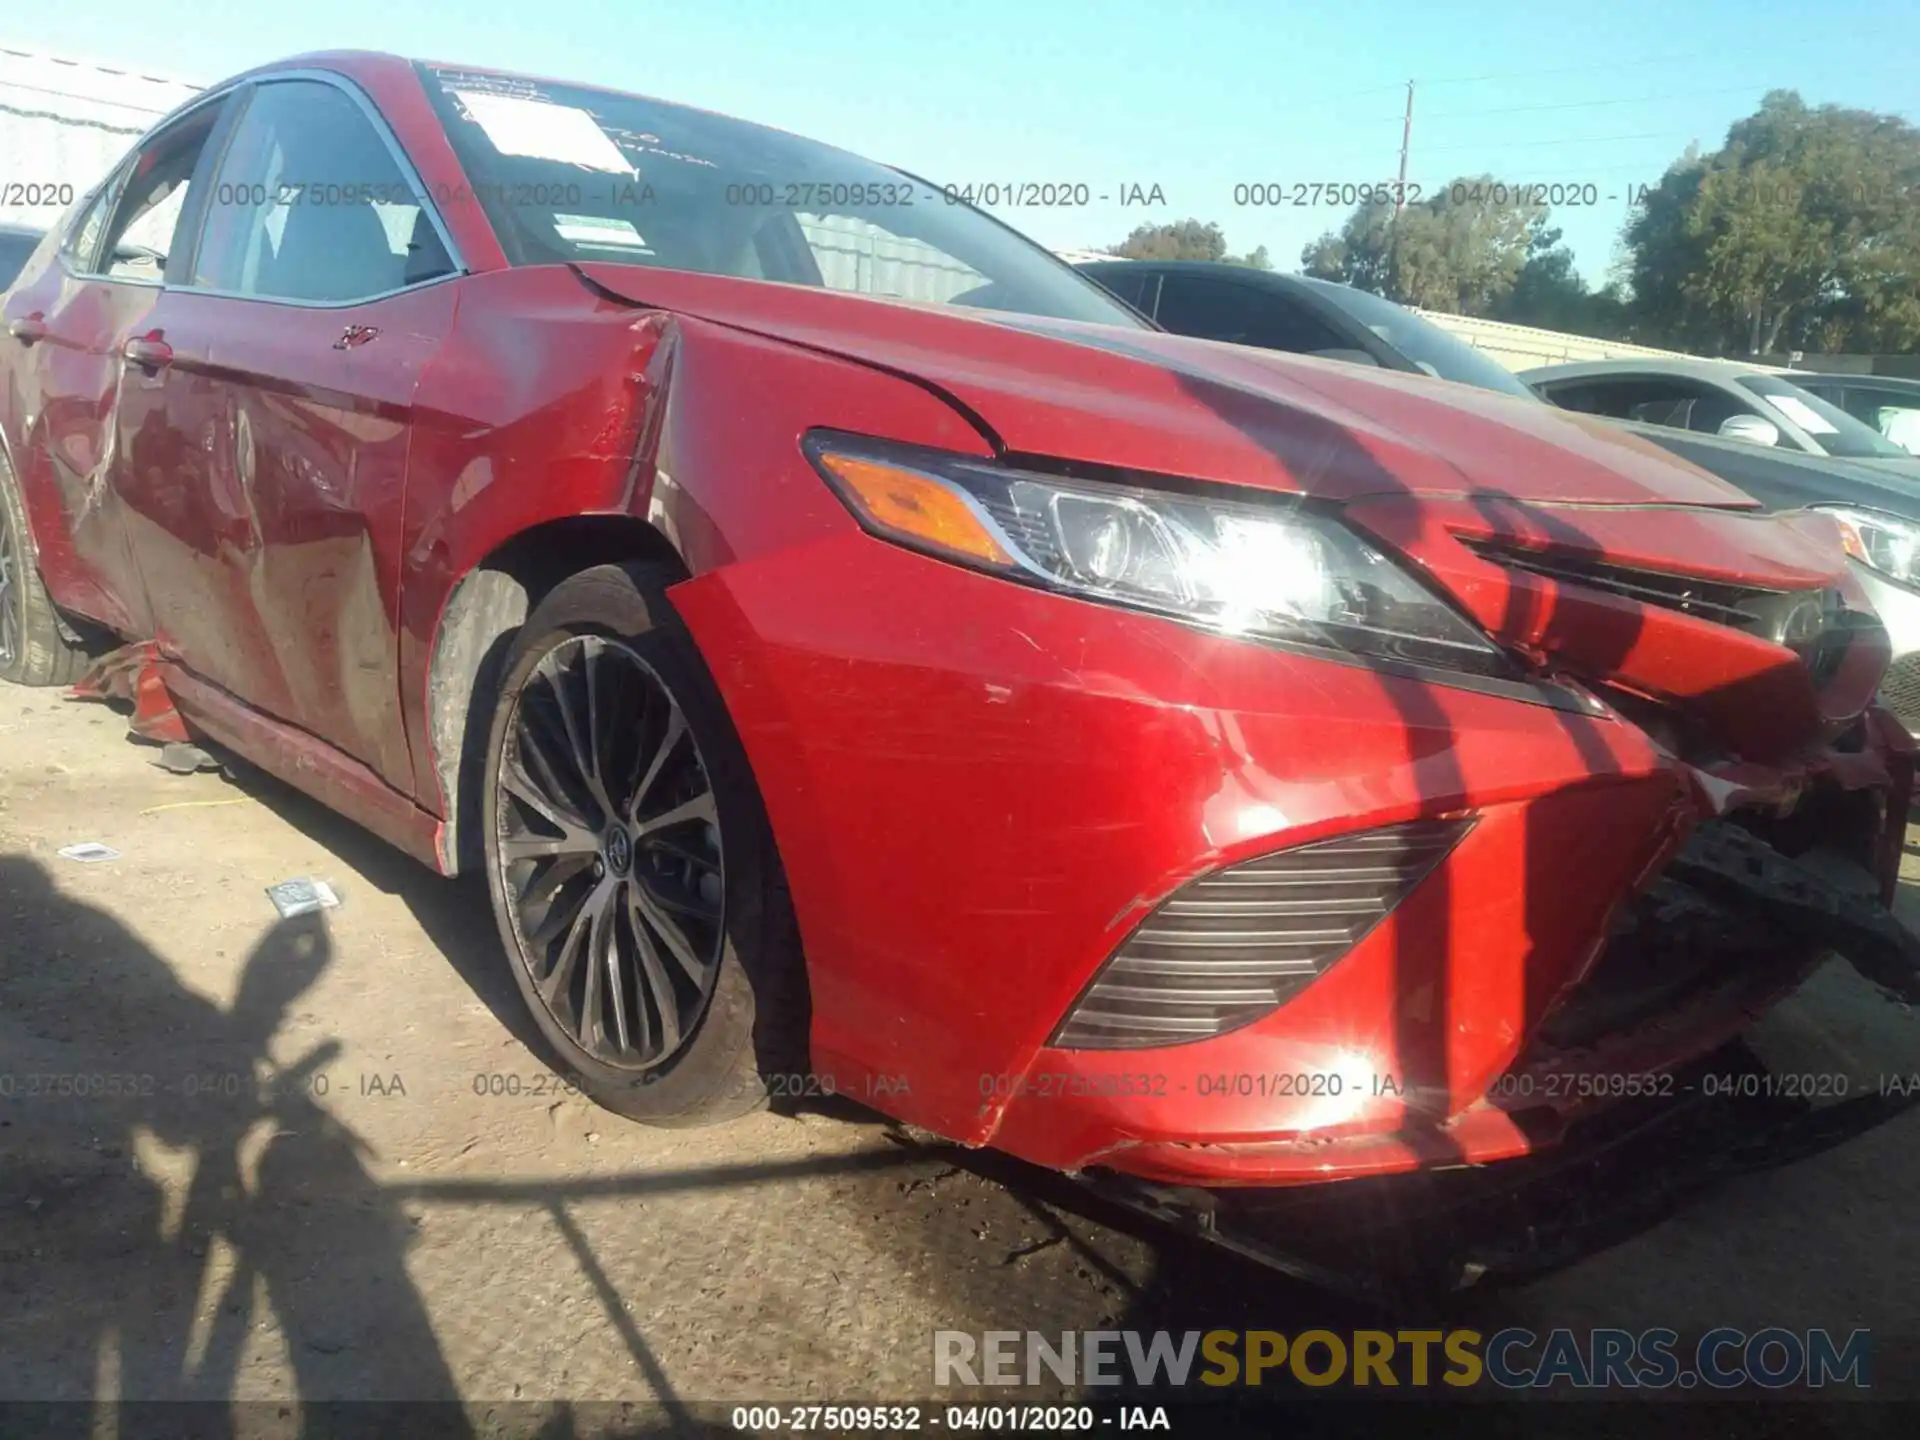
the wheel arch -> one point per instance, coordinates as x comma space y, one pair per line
477, 626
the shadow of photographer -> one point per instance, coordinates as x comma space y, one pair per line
189, 1199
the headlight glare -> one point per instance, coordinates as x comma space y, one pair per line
1270, 569
1879, 541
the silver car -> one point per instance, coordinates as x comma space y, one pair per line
1718, 397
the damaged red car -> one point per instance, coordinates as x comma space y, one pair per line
861, 656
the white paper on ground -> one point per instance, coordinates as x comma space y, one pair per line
89, 852
301, 897
540, 131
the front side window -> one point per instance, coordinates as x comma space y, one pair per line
1223, 309
310, 204
569, 174
1835, 431
145, 225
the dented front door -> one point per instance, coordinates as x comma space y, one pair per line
270, 543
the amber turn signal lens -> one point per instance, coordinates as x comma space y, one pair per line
915, 507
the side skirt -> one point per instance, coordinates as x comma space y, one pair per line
170, 703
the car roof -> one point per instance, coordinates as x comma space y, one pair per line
1265, 279
1720, 370
1841, 377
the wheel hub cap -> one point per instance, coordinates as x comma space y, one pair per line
619, 852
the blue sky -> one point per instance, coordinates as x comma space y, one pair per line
1195, 96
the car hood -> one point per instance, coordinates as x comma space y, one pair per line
1899, 467
1791, 479
1148, 401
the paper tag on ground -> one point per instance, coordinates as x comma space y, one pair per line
90, 852
301, 897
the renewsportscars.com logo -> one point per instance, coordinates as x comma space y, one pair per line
1512, 1359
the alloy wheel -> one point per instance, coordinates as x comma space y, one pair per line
610, 853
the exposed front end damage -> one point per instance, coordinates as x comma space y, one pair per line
1781, 851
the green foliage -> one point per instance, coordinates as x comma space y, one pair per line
1461, 250
1803, 230
1181, 240
1185, 240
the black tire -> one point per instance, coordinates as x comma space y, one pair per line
604, 652
33, 649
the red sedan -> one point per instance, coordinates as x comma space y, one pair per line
861, 656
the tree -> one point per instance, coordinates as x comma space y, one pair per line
1803, 224
1461, 250
1550, 293
1186, 240
1181, 240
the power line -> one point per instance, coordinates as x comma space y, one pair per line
1563, 140
1593, 104
1612, 65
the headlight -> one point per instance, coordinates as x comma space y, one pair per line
1884, 542
1272, 570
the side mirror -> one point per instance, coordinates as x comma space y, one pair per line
1753, 429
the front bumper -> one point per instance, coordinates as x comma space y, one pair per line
980, 790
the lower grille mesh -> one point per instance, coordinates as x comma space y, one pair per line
1900, 689
1229, 947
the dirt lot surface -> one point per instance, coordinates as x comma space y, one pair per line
318, 1160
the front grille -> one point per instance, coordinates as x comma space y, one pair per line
1900, 690
1231, 946
1743, 607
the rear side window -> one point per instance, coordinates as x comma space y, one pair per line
82, 242
144, 228
309, 204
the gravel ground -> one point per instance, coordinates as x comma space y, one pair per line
323, 1161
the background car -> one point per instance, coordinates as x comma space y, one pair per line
1879, 507
17, 244
1297, 314
1715, 397
913, 675
1879, 514
1887, 403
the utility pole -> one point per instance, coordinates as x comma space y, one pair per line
1406, 141
1399, 199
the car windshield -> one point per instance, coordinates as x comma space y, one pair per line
1835, 431
1421, 341
567, 173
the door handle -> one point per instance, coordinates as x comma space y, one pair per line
149, 352
27, 329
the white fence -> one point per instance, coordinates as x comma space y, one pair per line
63, 124
1521, 347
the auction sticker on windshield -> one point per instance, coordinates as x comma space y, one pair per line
541, 131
